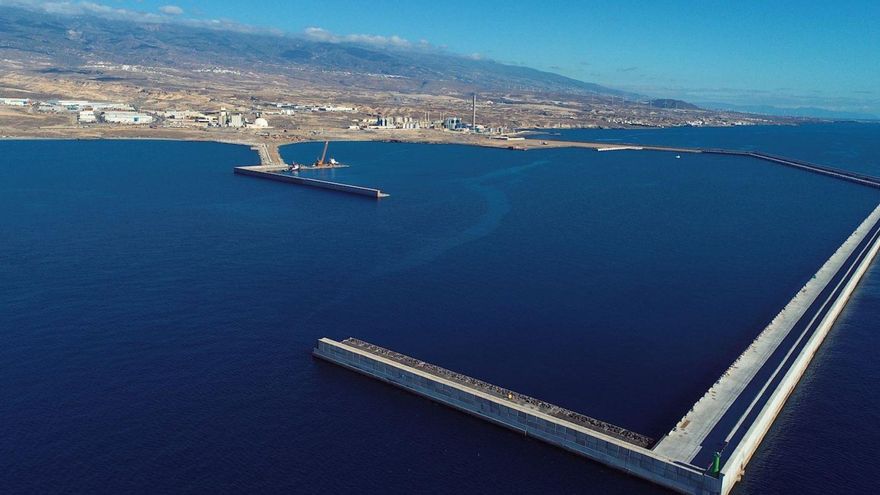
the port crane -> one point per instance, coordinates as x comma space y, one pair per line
320, 161
323, 161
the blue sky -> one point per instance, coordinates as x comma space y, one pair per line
805, 53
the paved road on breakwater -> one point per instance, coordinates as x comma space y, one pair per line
743, 412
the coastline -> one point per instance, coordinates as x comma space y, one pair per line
414, 137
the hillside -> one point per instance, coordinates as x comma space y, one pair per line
160, 64
65, 43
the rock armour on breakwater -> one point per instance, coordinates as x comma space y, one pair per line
515, 397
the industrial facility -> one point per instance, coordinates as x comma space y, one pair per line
117, 117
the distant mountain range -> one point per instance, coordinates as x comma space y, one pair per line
69, 42
673, 104
808, 112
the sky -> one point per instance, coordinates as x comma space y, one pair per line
783, 53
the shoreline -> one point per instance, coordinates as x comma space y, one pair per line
341, 136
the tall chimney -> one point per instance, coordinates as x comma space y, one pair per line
474, 108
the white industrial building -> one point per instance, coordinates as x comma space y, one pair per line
227, 119
452, 123
15, 102
77, 105
87, 117
260, 123
184, 114
118, 117
73, 105
110, 106
333, 108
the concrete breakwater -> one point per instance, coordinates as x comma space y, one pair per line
743, 439
862, 179
735, 413
272, 164
837, 173
274, 173
509, 395
707, 451
611, 445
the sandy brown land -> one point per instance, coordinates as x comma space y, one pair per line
155, 90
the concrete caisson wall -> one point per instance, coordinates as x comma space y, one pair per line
594, 445
734, 467
268, 173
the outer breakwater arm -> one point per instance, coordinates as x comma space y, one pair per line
837, 173
736, 412
588, 437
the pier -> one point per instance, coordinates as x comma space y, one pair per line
862, 179
706, 452
276, 173
731, 419
272, 167
602, 442
837, 173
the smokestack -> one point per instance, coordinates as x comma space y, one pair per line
474, 108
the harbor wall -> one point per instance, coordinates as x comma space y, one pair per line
862, 179
267, 173
734, 468
594, 445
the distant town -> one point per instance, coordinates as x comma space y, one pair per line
273, 118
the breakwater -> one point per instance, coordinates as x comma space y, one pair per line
602, 442
509, 395
275, 173
837, 173
707, 451
736, 412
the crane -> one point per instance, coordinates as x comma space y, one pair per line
320, 161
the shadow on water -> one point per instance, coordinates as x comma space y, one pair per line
489, 187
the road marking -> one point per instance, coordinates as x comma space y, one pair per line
797, 342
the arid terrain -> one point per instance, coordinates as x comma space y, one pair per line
302, 88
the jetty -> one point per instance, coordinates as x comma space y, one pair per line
707, 451
591, 438
836, 173
272, 167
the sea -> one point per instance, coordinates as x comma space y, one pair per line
157, 312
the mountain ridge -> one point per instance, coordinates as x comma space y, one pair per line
74, 40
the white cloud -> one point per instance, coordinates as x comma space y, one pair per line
321, 34
171, 10
172, 14
169, 14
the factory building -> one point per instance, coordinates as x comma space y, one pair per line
119, 117
397, 122
77, 105
87, 117
227, 119
452, 123
184, 115
260, 123
15, 102
71, 105
110, 106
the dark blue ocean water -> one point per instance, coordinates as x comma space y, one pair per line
158, 312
